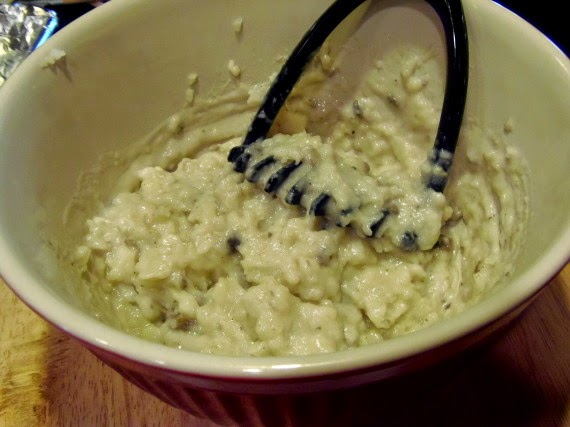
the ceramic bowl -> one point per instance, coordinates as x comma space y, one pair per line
125, 70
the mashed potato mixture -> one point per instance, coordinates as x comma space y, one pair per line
190, 254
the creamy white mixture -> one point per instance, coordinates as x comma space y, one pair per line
190, 254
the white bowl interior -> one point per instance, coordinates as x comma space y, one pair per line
125, 71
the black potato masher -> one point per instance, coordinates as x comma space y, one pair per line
283, 177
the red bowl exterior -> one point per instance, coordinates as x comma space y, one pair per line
327, 400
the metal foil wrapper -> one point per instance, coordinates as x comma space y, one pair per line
22, 29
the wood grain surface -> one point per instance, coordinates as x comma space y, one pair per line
521, 379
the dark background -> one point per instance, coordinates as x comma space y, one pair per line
547, 16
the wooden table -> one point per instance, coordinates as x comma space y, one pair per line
522, 379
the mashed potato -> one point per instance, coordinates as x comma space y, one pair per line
190, 254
